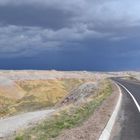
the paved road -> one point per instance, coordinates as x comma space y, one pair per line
10, 125
127, 126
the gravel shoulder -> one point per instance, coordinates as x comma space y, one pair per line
10, 125
92, 128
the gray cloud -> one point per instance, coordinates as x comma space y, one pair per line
102, 13
26, 41
34, 16
31, 26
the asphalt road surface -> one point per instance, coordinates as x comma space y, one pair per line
127, 126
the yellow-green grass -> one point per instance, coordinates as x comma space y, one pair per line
5, 103
38, 94
51, 128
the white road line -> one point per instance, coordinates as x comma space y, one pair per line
105, 135
135, 101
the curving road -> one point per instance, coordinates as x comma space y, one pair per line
127, 126
9, 125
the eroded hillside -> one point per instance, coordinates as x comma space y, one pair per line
24, 91
38, 94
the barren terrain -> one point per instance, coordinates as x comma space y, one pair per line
27, 97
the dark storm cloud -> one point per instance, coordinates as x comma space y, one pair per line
101, 13
29, 27
28, 15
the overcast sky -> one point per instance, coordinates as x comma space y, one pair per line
70, 34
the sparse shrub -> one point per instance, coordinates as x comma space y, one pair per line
19, 138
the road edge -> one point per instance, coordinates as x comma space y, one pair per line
105, 135
134, 99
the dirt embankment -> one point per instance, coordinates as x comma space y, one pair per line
76, 120
92, 128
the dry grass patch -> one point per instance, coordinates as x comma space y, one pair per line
66, 119
38, 94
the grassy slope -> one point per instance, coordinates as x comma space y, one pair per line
38, 94
66, 119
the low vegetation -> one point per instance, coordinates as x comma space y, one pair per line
4, 105
38, 94
66, 119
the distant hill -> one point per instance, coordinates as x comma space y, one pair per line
23, 91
